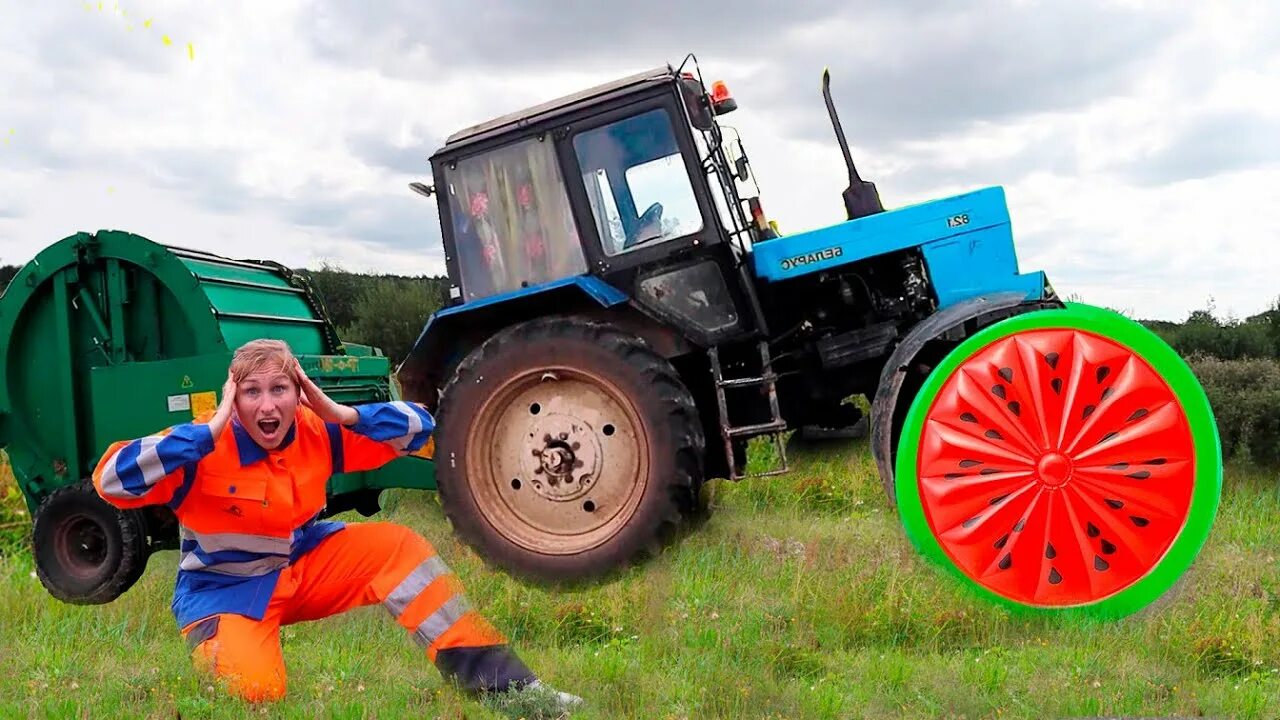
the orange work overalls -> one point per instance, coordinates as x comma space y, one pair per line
254, 556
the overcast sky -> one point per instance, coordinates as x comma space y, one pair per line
1138, 142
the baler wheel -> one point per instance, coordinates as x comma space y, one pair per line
86, 551
1061, 461
567, 449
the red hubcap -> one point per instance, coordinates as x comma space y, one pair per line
1056, 467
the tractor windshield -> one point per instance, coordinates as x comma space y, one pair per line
637, 182
512, 225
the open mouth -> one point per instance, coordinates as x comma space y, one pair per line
268, 427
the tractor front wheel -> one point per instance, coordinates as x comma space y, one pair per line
566, 449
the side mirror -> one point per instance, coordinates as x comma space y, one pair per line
423, 190
698, 103
741, 165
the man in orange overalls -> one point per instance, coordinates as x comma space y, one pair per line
253, 553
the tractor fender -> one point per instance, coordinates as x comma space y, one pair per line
896, 370
453, 332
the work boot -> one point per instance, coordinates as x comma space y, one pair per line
535, 700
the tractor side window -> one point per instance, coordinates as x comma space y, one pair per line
512, 225
637, 183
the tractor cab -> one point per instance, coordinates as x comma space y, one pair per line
628, 182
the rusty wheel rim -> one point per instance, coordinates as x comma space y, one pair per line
558, 460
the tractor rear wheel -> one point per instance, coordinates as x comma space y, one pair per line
566, 449
1061, 461
86, 551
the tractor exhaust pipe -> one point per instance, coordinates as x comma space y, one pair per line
860, 198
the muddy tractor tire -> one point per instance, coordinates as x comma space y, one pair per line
567, 449
86, 551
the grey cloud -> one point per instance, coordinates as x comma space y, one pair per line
379, 152
496, 34
1211, 145
912, 75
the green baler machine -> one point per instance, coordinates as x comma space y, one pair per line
111, 336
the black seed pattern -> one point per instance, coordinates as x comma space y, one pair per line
1006, 561
1107, 547
1054, 576
1052, 360
998, 499
1108, 393
953, 476
1139, 520
989, 471
1021, 524
1107, 437
1099, 564
969, 523
1140, 475
1139, 413
1118, 466
1092, 530
998, 391
968, 417
1088, 410
1015, 408
1115, 504
1056, 384
1049, 552
1007, 374
969, 463
1102, 373
1155, 461
994, 435
1001, 542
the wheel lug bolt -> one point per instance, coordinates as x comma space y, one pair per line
576, 446
564, 436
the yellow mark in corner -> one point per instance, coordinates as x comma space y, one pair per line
147, 24
191, 51
166, 40
203, 402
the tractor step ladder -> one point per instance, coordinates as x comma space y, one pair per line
774, 427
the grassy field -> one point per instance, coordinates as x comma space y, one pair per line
801, 597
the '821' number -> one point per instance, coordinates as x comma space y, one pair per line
956, 221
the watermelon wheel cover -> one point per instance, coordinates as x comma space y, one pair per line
1061, 461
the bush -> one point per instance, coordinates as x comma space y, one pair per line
390, 314
1245, 396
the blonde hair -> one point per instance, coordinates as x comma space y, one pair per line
257, 354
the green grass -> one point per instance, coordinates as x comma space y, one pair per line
801, 597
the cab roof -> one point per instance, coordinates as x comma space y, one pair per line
559, 106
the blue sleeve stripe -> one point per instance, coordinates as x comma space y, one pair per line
400, 424
138, 466
336, 460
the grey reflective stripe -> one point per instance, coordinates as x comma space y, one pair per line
417, 581
148, 461
219, 542
441, 620
261, 566
415, 425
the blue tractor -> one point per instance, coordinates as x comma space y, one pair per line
623, 319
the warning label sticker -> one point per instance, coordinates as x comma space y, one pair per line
203, 402
178, 403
